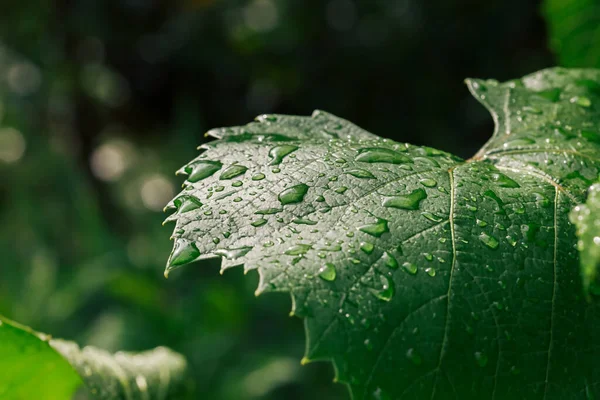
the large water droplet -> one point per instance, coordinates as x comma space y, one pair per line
367, 247
488, 240
381, 155
184, 253
233, 171
504, 181
187, 203
390, 260
294, 194
407, 201
232, 254
327, 272
377, 229
298, 250
278, 153
387, 289
361, 173
410, 268
201, 169
428, 182
259, 222
498, 200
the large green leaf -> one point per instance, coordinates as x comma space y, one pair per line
33, 366
574, 30
420, 275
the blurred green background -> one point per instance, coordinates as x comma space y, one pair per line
101, 101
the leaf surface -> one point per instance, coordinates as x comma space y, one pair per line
33, 366
419, 274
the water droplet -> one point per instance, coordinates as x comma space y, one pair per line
390, 260
367, 247
428, 256
432, 216
381, 155
327, 272
410, 268
304, 221
184, 253
377, 229
541, 200
430, 271
294, 194
187, 203
407, 201
498, 200
269, 211
504, 181
427, 182
581, 101
259, 222
368, 344
237, 183
341, 189
202, 169
387, 291
232, 254
481, 223
488, 240
298, 250
532, 110
414, 357
278, 153
481, 358
233, 171
361, 173
258, 177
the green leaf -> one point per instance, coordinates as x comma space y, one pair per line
573, 30
420, 275
33, 366
586, 217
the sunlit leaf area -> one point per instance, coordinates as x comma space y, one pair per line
430, 234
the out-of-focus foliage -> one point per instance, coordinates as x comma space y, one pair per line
585, 217
101, 100
34, 366
574, 27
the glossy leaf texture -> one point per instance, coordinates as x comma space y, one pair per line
419, 274
573, 31
34, 366
586, 218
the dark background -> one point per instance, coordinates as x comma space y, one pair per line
101, 101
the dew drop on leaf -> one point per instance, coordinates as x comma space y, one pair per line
187, 203
481, 358
327, 272
430, 271
185, 252
201, 170
361, 173
387, 289
259, 222
581, 101
233, 171
428, 182
410, 268
298, 250
488, 240
377, 229
278, 153
367, 247
390, 260
432, 217
381, 155
258, 177
232, 254
504, 181
406, 202
414, 357
294, 194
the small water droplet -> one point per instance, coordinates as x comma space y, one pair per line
504, 181
234, 253
233, 171
481, 223
294, 194
387, 290
430, 271
408, 201
258, 177
432, 217
367, 247
488, 240
581, 101
304, 221
341, 189
327, 272
481, 358
298, 250
259, 222
414, 357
